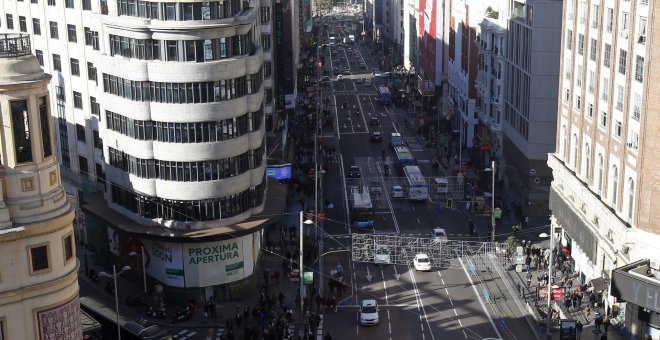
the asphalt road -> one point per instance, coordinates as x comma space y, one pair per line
440, 304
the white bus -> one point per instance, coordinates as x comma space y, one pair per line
418, 189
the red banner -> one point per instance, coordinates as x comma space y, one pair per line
557, 293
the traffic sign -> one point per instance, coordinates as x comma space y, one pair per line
519, 259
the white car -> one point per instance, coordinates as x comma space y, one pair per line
422, 262
340, 77
369, 312
382, 255
439, 234
397, 192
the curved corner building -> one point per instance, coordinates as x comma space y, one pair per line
162, 129
38, 267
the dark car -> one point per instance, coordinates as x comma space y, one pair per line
354, 172
374, 121
376, 136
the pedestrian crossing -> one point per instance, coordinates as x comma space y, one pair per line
184, 334
216, 333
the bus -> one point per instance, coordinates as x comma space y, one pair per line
404, 157
362, 211
418, 189
385, 96
332, 41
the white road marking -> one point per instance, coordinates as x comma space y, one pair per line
418, 222
183, 331
421, 302
343, 180
455, 312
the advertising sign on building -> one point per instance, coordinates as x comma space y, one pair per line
61, 322
165, 262
212, 263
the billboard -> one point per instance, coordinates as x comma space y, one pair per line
202, 264
212, 263
165, 262
430, 40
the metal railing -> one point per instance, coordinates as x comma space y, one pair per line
14, 45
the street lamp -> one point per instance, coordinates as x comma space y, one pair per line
492, 200
142, 259
300, 275
549, 291
114, 278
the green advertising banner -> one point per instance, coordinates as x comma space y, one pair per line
308, 278
212, 263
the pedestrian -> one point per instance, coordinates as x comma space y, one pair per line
266, 274
333, 303
597, 322
606, 323
578, 330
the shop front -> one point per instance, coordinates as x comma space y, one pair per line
637, 290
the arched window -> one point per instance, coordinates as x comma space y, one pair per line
600, 174
587, 162
575, 152
615, 184
631, 198
564, 142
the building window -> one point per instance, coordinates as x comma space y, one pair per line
590, 110
594, 16
578, 102
77, 100
592, 49
637, 106
265, 14
83, 167
578, 76
71, 33
53, 30
40, 56
91, 71
88, 36
59, 93
600, 174
575, 152
98, 142
39, 259
265, 42
617, 128
605, 89
615, 184
57, 63
625, 21
564, 143
569, 40
591, 85
44, 119
268, 68
22, 24
269, 95
620, 92
100, 175
80, 133
68, 3
36, 27
10, 21
587, 162
67, 244
607, 54
603, 118
580, 44
51, 2
87, 5
34, 1
96, 110
623, 55
639, 68
75, 67
22, 131
631, 198
641, 30
609, 19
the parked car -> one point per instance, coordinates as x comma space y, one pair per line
369, 312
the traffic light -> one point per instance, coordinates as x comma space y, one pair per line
450, 202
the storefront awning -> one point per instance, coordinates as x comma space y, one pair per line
573, 225
635, 283
599, 284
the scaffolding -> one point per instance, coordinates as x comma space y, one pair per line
476, 255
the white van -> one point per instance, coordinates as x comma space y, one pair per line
441, 185
367, 82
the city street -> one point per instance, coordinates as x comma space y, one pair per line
441, 304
